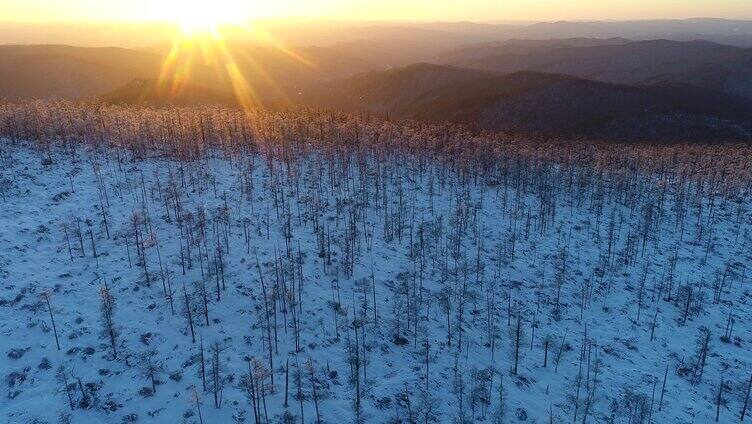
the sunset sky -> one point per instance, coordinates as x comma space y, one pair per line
478, 10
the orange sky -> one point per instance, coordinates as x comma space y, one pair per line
485, 10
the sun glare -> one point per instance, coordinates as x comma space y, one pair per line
202, 41
205, 16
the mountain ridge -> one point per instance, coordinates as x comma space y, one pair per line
532, 102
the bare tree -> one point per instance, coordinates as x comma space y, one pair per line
107, 309
151, 367
47, 295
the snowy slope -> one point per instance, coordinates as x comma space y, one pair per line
517, 272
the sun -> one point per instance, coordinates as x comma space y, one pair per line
197, 17
207, 28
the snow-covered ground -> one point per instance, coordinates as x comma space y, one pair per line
605, 245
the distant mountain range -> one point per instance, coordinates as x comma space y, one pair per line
701, 63
84, 73
328, 33
533, 103
70, 72
163, 92
595, 82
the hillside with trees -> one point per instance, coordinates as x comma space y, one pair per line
206, 264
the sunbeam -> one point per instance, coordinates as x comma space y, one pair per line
231, 65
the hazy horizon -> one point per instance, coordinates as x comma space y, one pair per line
279, 20
328, 31
135, 11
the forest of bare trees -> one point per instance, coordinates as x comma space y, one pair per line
314, 266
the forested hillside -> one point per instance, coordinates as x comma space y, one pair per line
208, 264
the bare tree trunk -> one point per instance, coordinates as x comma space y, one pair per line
47, 295
746, 399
